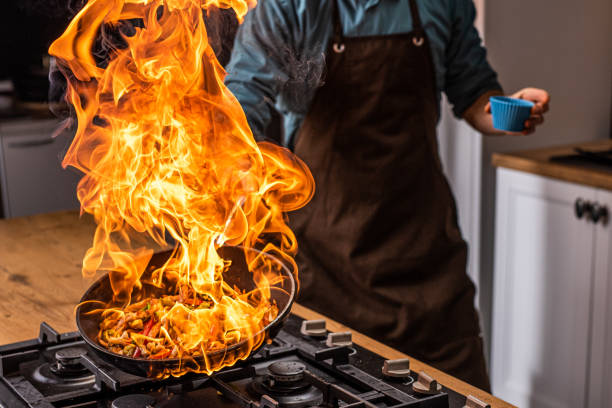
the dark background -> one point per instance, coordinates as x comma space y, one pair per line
28, 27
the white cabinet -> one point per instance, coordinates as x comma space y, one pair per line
31, 177
552, 337
600, 387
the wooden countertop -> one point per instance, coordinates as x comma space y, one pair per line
40, 280
538, 162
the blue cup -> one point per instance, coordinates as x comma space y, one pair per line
510, 114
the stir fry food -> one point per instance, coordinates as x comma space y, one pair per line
171, 327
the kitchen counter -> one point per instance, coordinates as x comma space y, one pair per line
538, 162
40, 280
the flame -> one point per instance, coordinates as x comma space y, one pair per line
166, 150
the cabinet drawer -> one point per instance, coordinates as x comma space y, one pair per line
33, 180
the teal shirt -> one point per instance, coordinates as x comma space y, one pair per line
278, 58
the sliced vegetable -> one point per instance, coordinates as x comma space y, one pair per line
129, 349
145, 332
136, 324
161, 355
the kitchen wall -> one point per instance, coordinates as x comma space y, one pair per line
561, 45
460, 151
461, 155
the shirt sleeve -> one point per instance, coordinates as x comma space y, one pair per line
468, 73
255, 73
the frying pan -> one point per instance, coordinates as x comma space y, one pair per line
283, 293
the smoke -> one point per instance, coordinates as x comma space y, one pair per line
305, 74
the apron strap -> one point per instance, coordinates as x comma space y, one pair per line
417, 29
416, 18
338, 39
338, 44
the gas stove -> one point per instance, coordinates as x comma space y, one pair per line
305, 366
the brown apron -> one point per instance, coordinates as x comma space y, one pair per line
380, 248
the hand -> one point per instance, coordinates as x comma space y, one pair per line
541, 100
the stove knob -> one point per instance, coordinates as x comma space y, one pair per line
396, 368
473, 402
314, 328
426, 385
344, 339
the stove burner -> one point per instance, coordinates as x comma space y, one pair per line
134, 401
69, 362
287, 371
286, 384
67, 371
45, 374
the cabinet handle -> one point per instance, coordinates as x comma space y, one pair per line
579, 207
599, 212
32, 143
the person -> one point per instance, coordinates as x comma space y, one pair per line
380, 249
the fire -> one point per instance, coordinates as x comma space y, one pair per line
166, 150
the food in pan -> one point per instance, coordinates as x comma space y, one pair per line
171, 326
